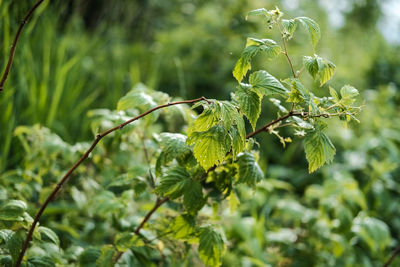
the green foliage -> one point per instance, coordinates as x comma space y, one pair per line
202, 161
319, 148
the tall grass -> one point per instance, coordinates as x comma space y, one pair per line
61, 71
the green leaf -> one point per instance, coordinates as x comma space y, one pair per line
250, 104
260, 11
49, 234
89, 256
41, 261
12, 210
210, 147
311, 65
334, 94
183, 226
248, 170
253, 46
265, 84
325, 70
136, 99
289, 26
207, 119
193, 197
125, 241
211, 247
319, 67
106, 258
173, 183
14, 243
238, 141
373, 232
348, 93
319, 149
312, 27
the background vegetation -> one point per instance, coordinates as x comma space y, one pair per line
77, 58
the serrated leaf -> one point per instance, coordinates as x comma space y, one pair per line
183, 226
125, 241
312, 27
238, 142
210, 147
250, 104
319, 67
174, 182
211, 247
265, 84
253, 46
49, 234
207, 119
289, 26
319, 149
325, 70
334, 94
248, 170
12, 210
260, 11
193, 197
348, 93
106, 258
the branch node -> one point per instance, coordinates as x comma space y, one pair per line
98, 136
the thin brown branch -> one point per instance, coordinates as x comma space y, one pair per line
14, 44
394, 254
79, 162
158, 204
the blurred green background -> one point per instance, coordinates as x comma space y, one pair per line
79, 55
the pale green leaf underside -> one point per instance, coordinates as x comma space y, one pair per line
319, 68
265, 84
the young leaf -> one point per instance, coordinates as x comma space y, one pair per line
325, 70
174, 182
265, 84
248, 170
183, 226
210, 147
348, 93
211, 247
250, 103
319, 67
289, 26
253, 46
238, 142
312, 27
319, 149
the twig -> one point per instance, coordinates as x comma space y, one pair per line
159, 202
79, 162
14, 44
394, 254
286, 51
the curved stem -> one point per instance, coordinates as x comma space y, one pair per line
394, 254
158, 204
14, 44
79, 162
